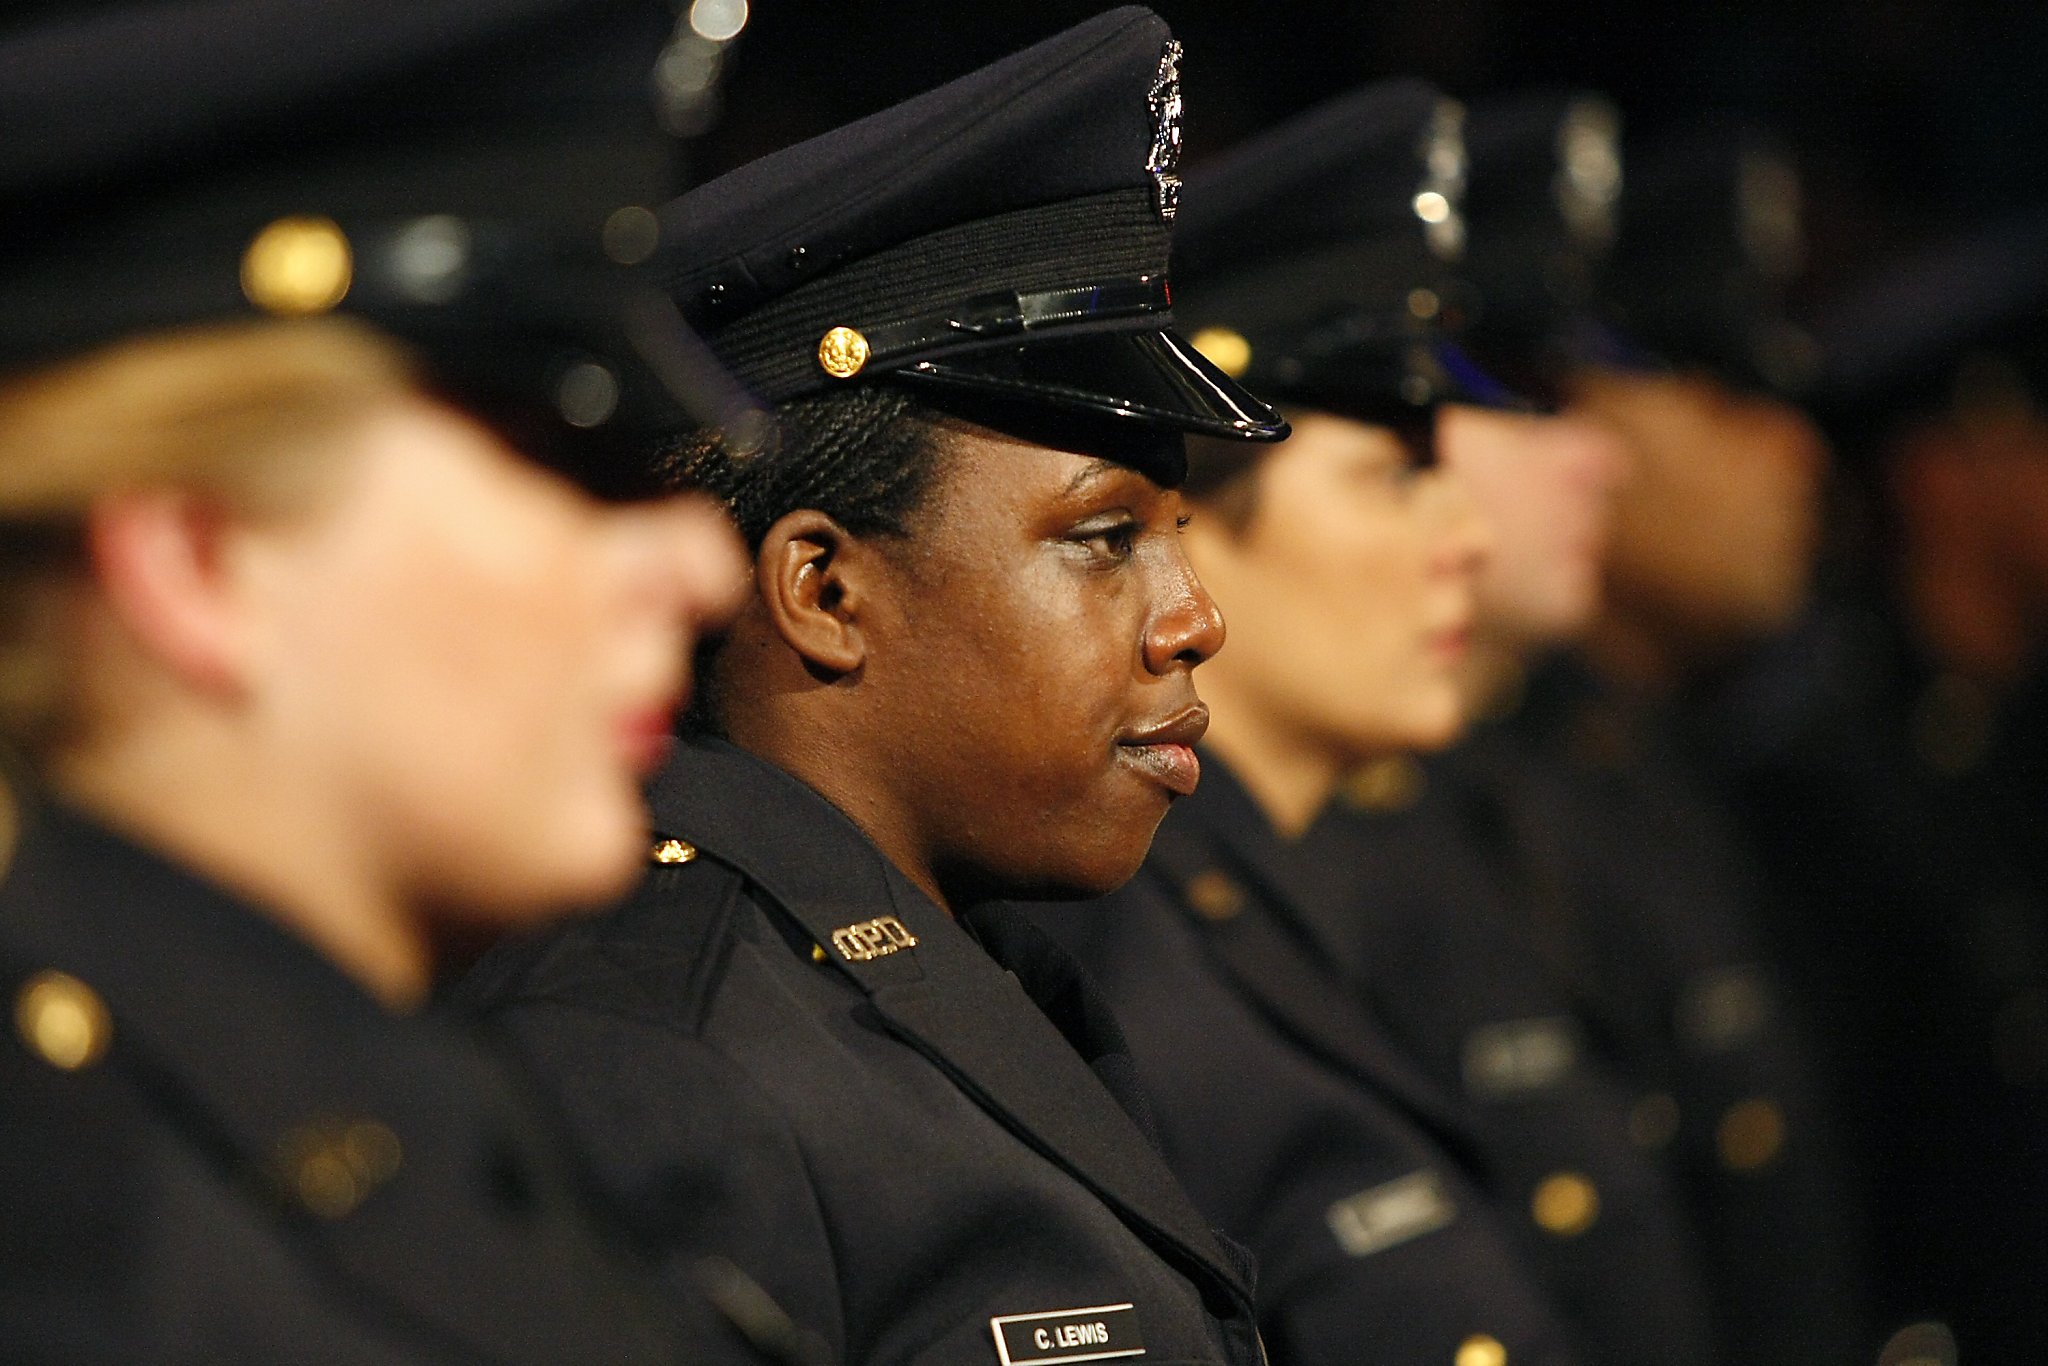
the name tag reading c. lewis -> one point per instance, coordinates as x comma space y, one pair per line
1058, 1336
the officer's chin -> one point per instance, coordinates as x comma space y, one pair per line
1095, 872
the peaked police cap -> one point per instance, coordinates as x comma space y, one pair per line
1318, 260
1003, 237
459, 173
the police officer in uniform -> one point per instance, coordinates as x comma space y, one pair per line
1646, 978
1317, 261
283, 348
1891, 774
1713, 556
964, 672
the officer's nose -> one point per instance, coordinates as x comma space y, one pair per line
1188, 627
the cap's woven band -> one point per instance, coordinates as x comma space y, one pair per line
1049, 260
991, 316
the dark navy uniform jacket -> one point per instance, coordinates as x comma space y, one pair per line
1422, 936
1654, 910
1899, 811
1292, 1118
912, 1157
216, 1148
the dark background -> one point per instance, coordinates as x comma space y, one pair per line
1911, 117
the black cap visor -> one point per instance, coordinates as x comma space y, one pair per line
1152, 378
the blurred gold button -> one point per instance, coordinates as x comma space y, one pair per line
673, 851
1391, 784
298, 266
1480, 1350
1214, 895
331, 1170
1566, 1204
1750, 1134
1228, 351
63, 1020
842, 352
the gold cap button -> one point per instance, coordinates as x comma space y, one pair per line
1565, 1203
673, 851
332, 1170
298, 266
63, 1020
1750, 1134
842, 352
1480, 1350
1228, 351
1214, 895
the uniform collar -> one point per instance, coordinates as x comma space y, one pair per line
788, 839
1251, 893
204, 986
944, 996
392, 1143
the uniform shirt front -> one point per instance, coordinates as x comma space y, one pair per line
781, 1047
214, 1147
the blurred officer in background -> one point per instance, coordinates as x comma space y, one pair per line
1549, 954
964, 672
1302, 1102
310, 666
1892, 770
1648, 899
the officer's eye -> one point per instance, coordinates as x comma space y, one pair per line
1180, 523
1112, 541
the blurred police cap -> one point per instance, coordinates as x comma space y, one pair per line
1318, 259
461, 173
1712, 239
1962, 324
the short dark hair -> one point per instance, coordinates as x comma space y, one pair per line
866, 457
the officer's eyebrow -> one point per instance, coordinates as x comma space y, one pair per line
1095, 469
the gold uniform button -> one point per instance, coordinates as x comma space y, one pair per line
1750, 1135
673, 851
1225, 349
817, 953
298, 266
1391, 784
1214, 895
63, 1021
331, 1170
1565, 1204
1480, 1349
842, 352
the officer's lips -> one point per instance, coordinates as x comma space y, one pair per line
646, 735
1165, 752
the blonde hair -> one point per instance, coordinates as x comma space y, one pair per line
232, 411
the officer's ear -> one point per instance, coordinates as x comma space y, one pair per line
163, 565
809, 575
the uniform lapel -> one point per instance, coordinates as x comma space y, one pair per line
369, 1140
1217, 852
944, 997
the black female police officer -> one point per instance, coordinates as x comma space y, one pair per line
965, 670
271, 313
